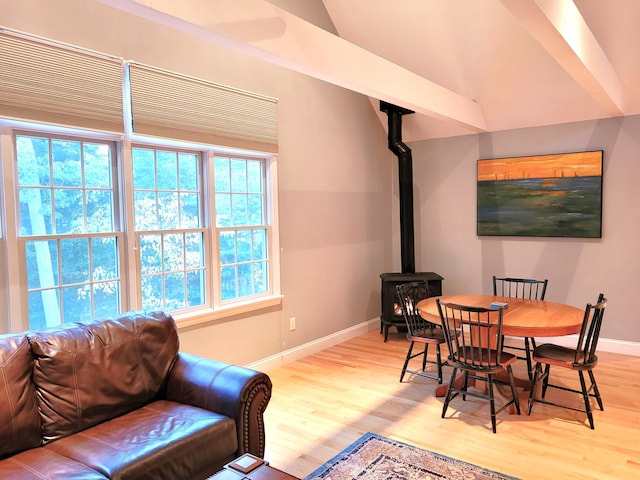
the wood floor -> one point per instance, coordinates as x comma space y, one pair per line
326, 401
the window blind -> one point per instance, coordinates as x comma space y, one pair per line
54, 83
171, 105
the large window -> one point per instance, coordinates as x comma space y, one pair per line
103, 228
241, 223
68, 228
168, 223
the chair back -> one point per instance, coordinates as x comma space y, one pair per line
474, 336
409, 294
519, 287
589, 333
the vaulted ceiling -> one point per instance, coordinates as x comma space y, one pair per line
463, 66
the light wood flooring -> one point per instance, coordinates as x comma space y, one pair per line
326, 401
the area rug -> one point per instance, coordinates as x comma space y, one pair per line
374, 457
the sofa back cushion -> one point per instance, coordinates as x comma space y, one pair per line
86, 373
19, 418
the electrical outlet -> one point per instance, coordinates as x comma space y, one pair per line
292, 324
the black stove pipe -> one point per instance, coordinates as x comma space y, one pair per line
405, 177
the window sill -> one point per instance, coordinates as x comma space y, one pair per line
200, 317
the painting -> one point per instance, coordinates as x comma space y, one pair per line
557, 195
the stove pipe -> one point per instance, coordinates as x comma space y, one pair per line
405, 177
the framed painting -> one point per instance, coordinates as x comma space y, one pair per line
557, 195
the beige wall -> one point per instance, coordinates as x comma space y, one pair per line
577, 269
335, 177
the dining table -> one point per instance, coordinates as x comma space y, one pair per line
521, 317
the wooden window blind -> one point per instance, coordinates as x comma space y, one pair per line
171, 105
53, 83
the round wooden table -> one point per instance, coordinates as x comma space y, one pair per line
521, 318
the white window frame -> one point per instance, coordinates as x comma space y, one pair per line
13, 279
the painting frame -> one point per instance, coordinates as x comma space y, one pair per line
554, 195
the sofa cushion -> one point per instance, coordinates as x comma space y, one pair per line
86, 373
19, 419
162, 440
39, 464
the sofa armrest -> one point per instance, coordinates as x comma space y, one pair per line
231, 390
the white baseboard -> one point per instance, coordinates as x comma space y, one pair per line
301, 351
604, 344
315, 346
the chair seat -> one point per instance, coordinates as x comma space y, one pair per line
472, 356
435, 335
561, 356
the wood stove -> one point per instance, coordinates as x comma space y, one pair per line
391, 315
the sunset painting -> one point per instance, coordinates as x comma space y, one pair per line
556, 195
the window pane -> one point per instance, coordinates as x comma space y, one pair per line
194, 250
223, 210
188, 169
175, 291
228, 279
97, 166
254, 176
106, 299
33, 161
190, 210
150, 254
99, 211
238, 175
256, 216
44, 309
145, 211
195, 288
66, 162
245, 279
152, 293
261, 277
173, 252
260, 244
42, 264
167, 170
144, 169
75, 269
227, 247
68, 205
168, 210
238, 210
244, 246
105, 259
222, 174
77, 303
35, 211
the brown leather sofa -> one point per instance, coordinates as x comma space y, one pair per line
116, 399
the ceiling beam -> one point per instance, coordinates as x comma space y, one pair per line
560, 28
261, 29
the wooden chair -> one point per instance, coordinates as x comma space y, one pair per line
419, 330
521, 288
581, 358
474, 337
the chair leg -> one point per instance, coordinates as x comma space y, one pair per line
596, 392
447, 398
492, 403
528, 354
587, 402
424, 356
532, 393
514, 392
545, 379
406, 361
439, 363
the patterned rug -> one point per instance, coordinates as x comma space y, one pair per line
374, 457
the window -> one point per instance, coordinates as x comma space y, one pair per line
240, 208
168, 225
103, 228
68, 228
